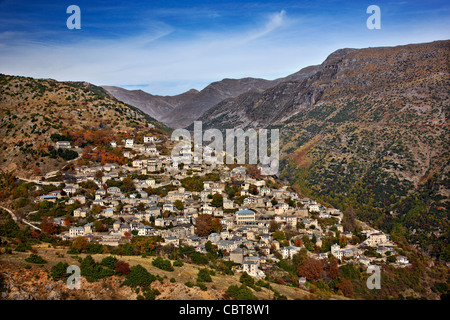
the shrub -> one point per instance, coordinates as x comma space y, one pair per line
22, 247
92, 270
162, 264
122, 267
94, 248
189, 284
149, 294
34, 258
109, 262
59, 271
139, 276
178, 263
262, 283
204, 276
240, 293
247, 280
202, 286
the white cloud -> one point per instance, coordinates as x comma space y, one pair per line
161, 63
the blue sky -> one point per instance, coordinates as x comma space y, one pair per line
168, 47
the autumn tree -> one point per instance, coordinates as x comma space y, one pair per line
346, 287
96, 209
298, 242
48, 226
216, 225
343, 241
331, 268
127, 185
80, 244
98, 175
349, 219
122, 267
310, 268
253, 171
273, 226
203, 225
144, 244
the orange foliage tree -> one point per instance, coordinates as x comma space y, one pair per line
203, 225
310, 268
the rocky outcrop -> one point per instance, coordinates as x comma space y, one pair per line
35, 283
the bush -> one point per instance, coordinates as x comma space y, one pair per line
109, 262
139, 276
247, 280
94, 248
59, 271
34, 258
22, 247
204, 276
121, 267
262, 283
202, 286
149, 294
92, 270
199, 258
162, 264
189, 284
72, 251
178, 263
241, 293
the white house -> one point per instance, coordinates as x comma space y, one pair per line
251, 267
80, 213
63, 145
149, 139
129, 143
402, 259
245, 216
76, 231
376, 238
289, 251
336, 251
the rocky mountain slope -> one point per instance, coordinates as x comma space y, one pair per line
402, 72
181, 110
368, 130
33, 112
209, 96
36, 283
154, 105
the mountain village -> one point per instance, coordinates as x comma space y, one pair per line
247, 234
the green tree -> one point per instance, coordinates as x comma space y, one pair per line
217, 200
162, 264
204, 276
109, 262
247, 280
139, 277
59, 271
179, 204
34, 258
240, 293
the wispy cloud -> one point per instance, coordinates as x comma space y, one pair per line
170, 50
